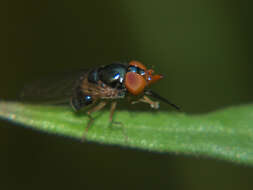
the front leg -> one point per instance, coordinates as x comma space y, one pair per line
147, 100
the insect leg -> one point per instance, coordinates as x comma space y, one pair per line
94, 109
157, 96
113, 107
147, 100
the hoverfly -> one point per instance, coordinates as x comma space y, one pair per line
96, 87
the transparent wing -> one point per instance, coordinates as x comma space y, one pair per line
55, 89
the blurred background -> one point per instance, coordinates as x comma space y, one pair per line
204, 49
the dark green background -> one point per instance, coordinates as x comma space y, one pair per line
204, 49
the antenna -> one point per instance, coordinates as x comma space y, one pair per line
157, 96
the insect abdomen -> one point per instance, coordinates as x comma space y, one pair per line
80, 100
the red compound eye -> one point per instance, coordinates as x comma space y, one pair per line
135, 83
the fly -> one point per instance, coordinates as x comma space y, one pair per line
96, 87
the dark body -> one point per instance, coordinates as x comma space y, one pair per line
106, 82
81, 88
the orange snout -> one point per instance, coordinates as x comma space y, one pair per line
152, 78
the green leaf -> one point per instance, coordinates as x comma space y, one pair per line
225, 134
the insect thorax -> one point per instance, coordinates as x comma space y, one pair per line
106, 82
112, 75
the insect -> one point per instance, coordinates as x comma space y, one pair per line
96, 87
